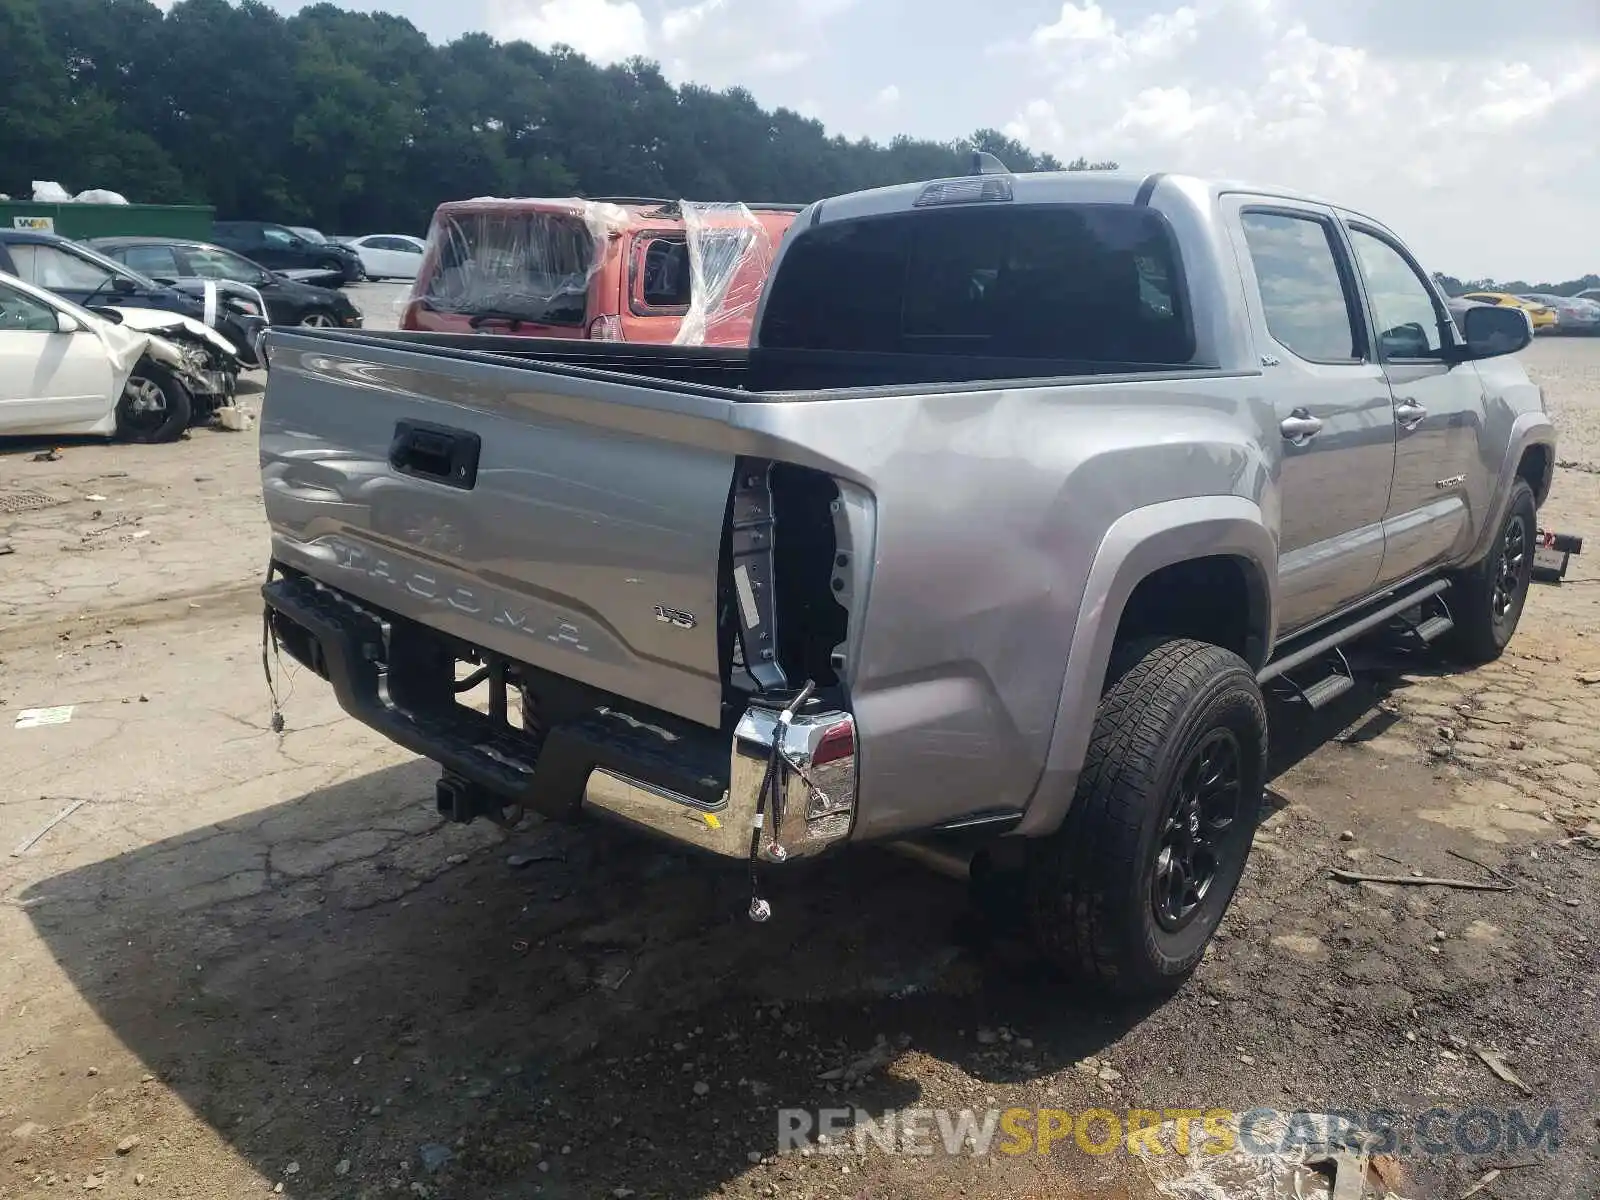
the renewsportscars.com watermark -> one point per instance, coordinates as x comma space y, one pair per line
1436, 1132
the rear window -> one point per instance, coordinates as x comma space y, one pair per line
531, 265
663, 273
1097, 284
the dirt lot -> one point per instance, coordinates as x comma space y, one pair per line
251, 963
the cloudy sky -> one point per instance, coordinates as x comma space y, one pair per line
1468, 125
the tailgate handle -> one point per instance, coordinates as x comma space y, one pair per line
436, 452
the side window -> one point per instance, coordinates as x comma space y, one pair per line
214, 264
53, 268
154, 261
1302, 293
1403, 306
20, 313
662, 272
277, 237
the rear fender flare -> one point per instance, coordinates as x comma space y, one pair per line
1138, 544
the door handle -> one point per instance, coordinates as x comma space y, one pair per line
1409, 413
436, 452
1299, 427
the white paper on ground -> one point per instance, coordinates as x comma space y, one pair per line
32, 718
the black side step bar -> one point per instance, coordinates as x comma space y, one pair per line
1345, 633
1338, 680
1427, 630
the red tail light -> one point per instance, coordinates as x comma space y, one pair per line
606, 329
839, 742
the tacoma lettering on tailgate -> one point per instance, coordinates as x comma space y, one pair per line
438, 588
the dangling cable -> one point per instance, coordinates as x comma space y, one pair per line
269, 638
771, 789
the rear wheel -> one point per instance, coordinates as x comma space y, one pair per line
1486, 600
1129, 891
155, 406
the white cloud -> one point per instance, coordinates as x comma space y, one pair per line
1086, 24
1088, 34
679, 24
778, 62
606, 31
744, 43
1244, 89
887, 97
1163, 114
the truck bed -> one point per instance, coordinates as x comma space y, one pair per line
766, 374
689, 530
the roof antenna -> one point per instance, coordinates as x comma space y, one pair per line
984, 163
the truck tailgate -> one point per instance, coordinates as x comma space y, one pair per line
567, 521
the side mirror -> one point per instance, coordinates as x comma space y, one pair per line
67, 323
1492, 332
123, 286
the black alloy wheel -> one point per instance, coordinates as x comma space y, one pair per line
1199, 833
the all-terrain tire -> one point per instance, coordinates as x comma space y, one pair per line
1486, 600
1092, 886
165, 422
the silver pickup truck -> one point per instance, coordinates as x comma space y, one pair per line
1025, 491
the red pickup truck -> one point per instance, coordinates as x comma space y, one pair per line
609, 269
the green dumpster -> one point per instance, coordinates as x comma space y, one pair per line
110, 220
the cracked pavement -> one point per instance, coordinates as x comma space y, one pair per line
266, 958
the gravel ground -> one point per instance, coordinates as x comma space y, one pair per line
249, 961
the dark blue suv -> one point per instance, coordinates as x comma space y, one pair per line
89, 278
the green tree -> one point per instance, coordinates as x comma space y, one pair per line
354, 121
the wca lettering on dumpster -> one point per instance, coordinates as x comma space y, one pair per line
1435, 1132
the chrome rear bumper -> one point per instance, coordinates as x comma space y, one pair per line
815, 798
665, 775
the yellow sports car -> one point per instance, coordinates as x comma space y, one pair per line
1541, 315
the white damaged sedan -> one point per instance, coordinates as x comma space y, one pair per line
66, 370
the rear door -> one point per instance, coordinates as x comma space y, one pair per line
57, 269
1335, 421
49, 380
1439, 409
235, 236
277, 248
159, 262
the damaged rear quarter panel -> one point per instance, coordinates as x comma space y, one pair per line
991, 507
